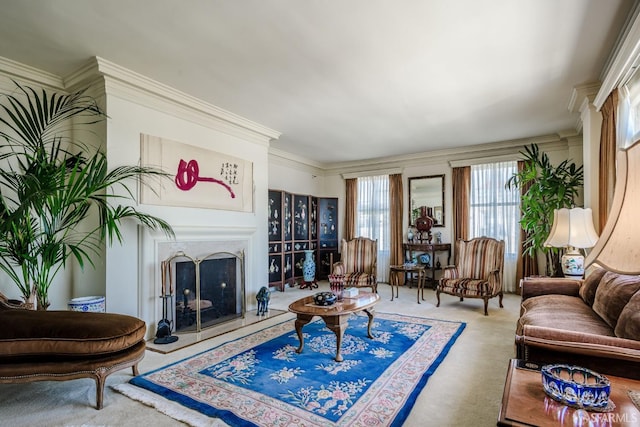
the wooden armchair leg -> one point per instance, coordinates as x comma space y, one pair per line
486, 304
500, 295
438, 297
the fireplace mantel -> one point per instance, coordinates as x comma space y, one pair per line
198, 242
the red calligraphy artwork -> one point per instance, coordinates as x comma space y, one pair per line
188, 176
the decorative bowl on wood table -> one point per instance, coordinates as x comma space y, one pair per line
324, 298
576, 386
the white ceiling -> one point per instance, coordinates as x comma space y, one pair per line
343, 80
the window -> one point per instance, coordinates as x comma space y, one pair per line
372, 218
494, 211
629, 112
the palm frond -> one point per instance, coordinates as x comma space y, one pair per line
52, 182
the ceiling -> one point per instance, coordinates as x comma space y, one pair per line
343, 80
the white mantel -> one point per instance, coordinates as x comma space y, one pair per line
197, 242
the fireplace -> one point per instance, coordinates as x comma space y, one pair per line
221, 254
208, 292
203, 292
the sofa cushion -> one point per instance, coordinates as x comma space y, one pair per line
628, 325
66, 333
590, 285
562, 312
613, 293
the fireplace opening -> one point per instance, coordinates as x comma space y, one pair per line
208, 291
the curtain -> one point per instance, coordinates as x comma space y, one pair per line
527, 264
351, 197
494, 211
607, 171
396, 198
461, 178
372, 219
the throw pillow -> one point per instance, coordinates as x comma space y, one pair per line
613, 294
590, 285
629, 321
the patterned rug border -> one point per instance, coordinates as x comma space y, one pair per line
165, 394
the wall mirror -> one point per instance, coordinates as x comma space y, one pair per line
427, 191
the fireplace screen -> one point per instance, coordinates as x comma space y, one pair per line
208, 291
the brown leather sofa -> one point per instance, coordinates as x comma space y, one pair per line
66, 345
593, 323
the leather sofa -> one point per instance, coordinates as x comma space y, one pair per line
66, 345
593, 322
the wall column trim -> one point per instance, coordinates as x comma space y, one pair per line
591, 124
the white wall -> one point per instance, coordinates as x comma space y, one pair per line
295, 178
127, 121
137, 106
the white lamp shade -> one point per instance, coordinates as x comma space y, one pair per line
572, 227
618, 248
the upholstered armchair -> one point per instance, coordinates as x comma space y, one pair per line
478, 272
358, 264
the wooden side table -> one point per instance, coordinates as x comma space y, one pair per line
524, 403
398, 272
432, 249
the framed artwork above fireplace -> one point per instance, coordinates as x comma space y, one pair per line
200, 178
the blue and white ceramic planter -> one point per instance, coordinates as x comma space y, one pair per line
93, 304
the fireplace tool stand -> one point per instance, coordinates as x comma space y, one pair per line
163, 333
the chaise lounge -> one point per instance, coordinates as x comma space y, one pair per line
67, 345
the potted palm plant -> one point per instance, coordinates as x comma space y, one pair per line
547, 187
58, 198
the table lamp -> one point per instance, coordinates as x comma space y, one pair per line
618, 249
572, 229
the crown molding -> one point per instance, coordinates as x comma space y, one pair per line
575, 141
293, 161
375, 172
549, 146
439, 157
625, 59
580, 92
135, 87
25, 73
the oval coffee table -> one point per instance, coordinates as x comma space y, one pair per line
335, 316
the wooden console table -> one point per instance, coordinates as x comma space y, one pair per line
432, 249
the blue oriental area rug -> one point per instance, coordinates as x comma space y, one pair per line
259, 379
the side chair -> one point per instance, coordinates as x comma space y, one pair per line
477, 273
358, 264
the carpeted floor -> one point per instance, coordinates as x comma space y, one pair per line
260, 379
465, 390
